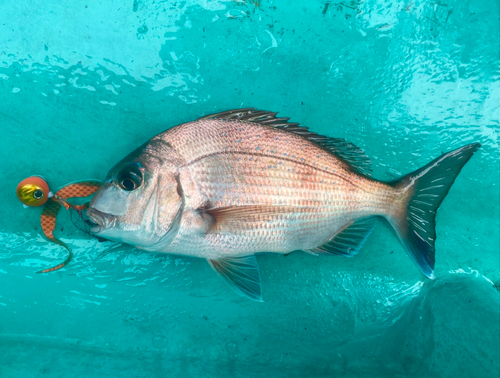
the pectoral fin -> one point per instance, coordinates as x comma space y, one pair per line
229, 218
242, 273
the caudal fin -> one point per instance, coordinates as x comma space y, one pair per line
415, 219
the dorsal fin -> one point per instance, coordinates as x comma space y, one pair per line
348, 152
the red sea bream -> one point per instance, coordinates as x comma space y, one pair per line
241, 182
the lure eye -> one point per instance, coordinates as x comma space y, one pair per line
38, 194
130, 179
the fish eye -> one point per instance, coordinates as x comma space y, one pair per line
130, 178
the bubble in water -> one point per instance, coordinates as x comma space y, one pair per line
142, 30
159, 342
232, 349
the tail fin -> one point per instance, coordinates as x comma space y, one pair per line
425, 189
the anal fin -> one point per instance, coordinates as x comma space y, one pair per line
348, 241
242, 273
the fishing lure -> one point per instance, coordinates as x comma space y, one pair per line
34, 191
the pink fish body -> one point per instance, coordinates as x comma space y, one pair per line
237, 183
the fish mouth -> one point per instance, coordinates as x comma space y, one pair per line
101, 220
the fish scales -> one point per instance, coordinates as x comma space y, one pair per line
268, 161
237, 163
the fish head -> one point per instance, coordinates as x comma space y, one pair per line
140, 200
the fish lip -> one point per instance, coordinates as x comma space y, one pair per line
103, 220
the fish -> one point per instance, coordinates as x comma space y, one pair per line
231, 185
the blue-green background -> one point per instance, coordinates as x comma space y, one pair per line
82, 83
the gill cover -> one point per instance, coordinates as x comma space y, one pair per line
140, 197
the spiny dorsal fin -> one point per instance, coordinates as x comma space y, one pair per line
350, 153
348, 241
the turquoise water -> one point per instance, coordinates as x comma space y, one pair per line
82, 84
